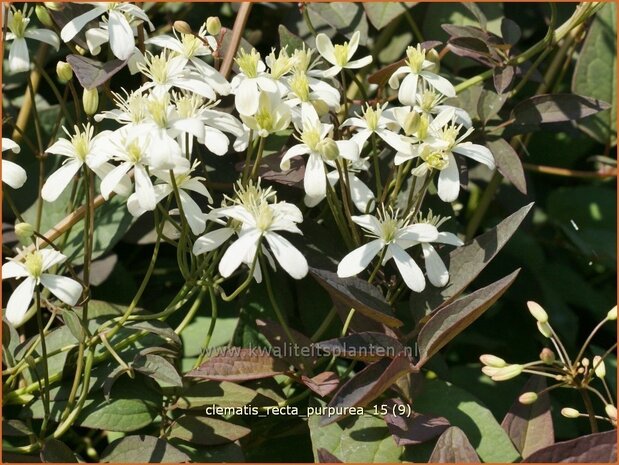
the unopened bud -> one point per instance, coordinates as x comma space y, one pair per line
528, 398
321, 107
544, 328
508, 372
538, 312
569, 412
213, 25
54, 6
492, 361
599, 367
182, 27
422, 128
24, 232
547, 356
90, 101
612, 314
489, 371
585, 362
433, 57
43, 15
611, 411
64, 72
411, 123
328, 149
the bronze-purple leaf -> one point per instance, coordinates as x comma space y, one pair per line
593, 448
297, 352
324, 456
92, 73
502, 77
236, 364
367, 346
368, 384
206, 431
358, 294
453, 447
417, 428
323, 383
508, 163
449, 321
556, 108
530, 426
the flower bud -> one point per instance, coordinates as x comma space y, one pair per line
64, 72
544, 328
528, 398
182, 27
611, 412
328, 149
321, 107
489, 371
54, 6
43, 15
612, 314
82, 51
411, 123
492, 361
547, 356
422, 128
585, 362
538, 312
599, 367
569, 412
90, 101
24, 232
433, 56
213, 25
508, 372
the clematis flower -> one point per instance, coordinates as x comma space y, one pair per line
262, 217
320, 149
392, 235
17, 22
120, 32
83, 147
305, 89
340, 55
361, 195
32, 267
12, 174
374, 121
272, 115
251, 81
416, 70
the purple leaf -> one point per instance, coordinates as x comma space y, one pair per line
508, 163
324, 456
323, 383
593, 448
502, 77
292, 352
555, 108
453, 447
92, 73
366, 346
414, 429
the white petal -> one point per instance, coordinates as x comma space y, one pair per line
353, 45
368, 222
13, 269
238, 250
439, 83
58, 181
111, 180
398, 142
95, 38
121, 35
211, 240
51, 258
294, 151
348, 149
410, 271
394, 82
435, 268
77, 24
62, 147
196, 86
19, 302
66, 289
449, 181
194, 216
314, 181
360, 63
448, 238
287, 255
19, 58
144, 189
8, 144
13, 174
325, 48
408, 89
124, 186
360, 194
358, 260
420, 232
216, 141
247, 97
476, 152
43, 35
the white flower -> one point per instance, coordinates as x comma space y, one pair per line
32, 266
17, 22
305, 89
361, 195
272, 115
430, 103
81, 147
132, 109
321, 148
12, 174
119, 29
340, 55
374, 121
261, 216
250, 81
396, 235
438, 153
416, 69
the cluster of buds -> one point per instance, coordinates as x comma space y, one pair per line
559, 367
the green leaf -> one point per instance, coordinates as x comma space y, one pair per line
346, 18
224, 393
159, 369
142, 449
380, 14
194, 334
453, 447
467, 413
289, 40
206, 431
595, 74
55, 451
361, 439
450, 320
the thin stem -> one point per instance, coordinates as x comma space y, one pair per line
377, 175
211, 327
589, 407
351, 313
45, 393
254, 171
588, 340
325, 324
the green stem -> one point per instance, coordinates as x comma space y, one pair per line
254, 171
211, 327
45, 393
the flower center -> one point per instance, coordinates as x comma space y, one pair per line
264, 216
302, 59
264, 119
299, 84
281, 64
191, 44
248, 62
158, 68
311, 137
435, 159
158, 109
372, 118
449, 135
134, 151
81, 144
34, 264
428, 101
18, 23
187, 106
388, 229
416, 57
341, 54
